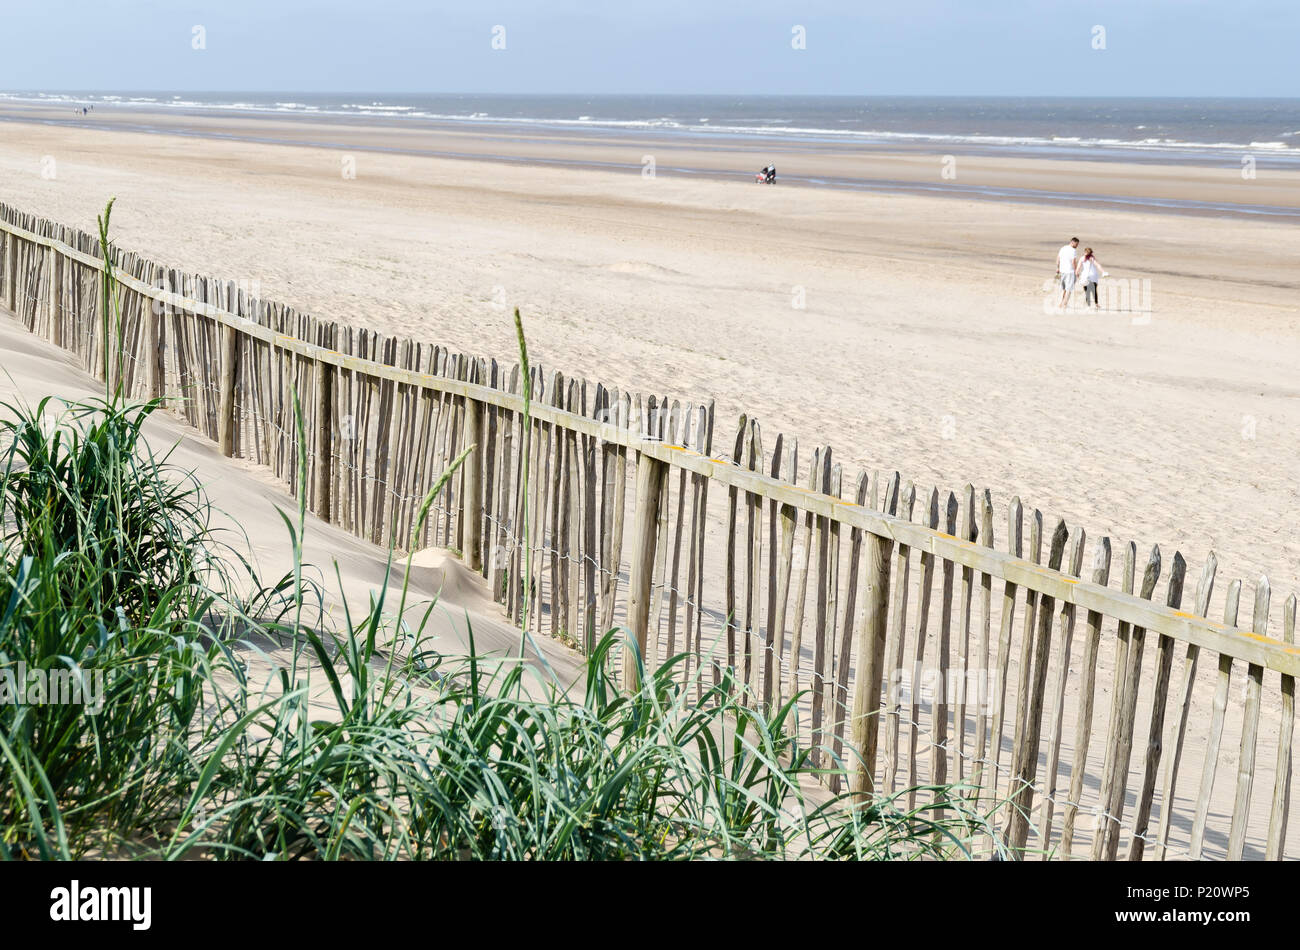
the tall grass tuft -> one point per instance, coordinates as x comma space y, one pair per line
109, 575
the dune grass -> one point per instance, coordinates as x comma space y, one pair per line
238, 722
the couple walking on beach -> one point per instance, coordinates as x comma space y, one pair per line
1072, 269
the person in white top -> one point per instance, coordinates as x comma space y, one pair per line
1088, 271
1065, 260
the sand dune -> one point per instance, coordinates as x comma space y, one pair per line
245, 498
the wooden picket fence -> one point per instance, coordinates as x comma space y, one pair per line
740, 559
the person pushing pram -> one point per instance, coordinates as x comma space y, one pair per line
766, 175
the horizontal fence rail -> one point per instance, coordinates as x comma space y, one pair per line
884, 610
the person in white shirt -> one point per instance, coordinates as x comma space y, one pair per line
1088, 271
1065, 260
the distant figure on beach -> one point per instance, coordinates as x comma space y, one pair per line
766, 174
1065, 260
83, 110
1088, 270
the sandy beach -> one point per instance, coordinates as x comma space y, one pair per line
911, 333
907, 332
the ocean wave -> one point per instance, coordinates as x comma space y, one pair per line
377, 107
775, 127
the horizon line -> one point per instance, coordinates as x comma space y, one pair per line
605, 94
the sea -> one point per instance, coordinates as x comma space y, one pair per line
1227, 133
1124, 129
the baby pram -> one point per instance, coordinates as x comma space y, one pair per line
766, 175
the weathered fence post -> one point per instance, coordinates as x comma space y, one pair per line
1275, 850
1249, 730
1025, 771
226, 411
645, 521
473, 534
155, 368
56, 298
871, 652
150, 312
11, 272
324, 447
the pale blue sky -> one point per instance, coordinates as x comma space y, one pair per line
854, 47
